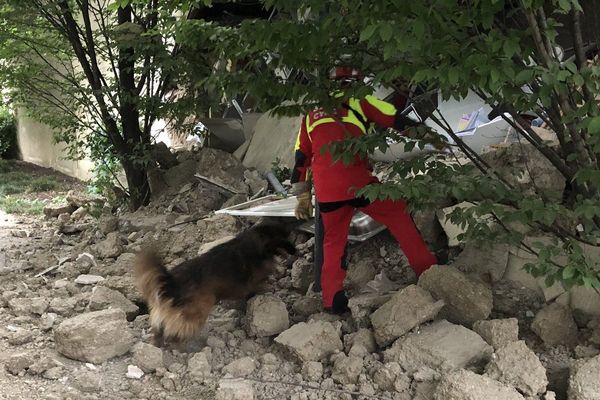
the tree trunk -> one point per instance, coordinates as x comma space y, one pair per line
137, 181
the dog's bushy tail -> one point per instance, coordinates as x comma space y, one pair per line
151, 276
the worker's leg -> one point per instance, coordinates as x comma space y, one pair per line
393, 215
336, 225
318, 249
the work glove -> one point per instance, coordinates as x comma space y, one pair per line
304, 208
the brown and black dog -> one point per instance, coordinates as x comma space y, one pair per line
181, 299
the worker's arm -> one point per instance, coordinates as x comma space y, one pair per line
303, 157
385, 114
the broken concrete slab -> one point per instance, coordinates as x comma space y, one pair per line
428, 225
94, 337
440, 346
302, 274
86, 279
406, 310
312, 341
362, 306
53, 211
584, 383
266, 315
498, 332
518, 366
585, 303
274, 138
312, 371
554, 324
466, 300
359, 274
467, 385
104, 298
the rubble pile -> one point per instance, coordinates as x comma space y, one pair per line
73, 325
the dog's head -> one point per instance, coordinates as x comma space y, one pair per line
274, 237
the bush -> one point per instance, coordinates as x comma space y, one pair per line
8, 134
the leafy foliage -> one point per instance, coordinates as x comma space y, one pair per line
8, 134
503, 51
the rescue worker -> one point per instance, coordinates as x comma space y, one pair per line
336, 185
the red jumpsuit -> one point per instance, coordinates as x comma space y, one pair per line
336, 184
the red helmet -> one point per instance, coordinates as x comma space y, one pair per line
340, 73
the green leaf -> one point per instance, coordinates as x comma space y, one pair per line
594, 125
386, 32
367, 33
568, 272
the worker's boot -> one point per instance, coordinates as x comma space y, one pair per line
340, 303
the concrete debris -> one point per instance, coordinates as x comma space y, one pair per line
312, 341
584, 383
19, 362
108, 224
466, 300
302, 274
359, 274
80, 199
312, 371
585, 303
441, 346
94, 337
234, 389
149, 358
111, 247
222, 168
79, 214
53, 211
134, 372
88, 381
489, 262
498, 332
104, 298
467, 385
430, 228
86, 279
306, 306
554, 324
346, 370
386, 376
28, 306
199, 367
266, 315
516, 365
363, 338
406, 310
241, 367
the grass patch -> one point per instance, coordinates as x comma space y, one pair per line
19, 190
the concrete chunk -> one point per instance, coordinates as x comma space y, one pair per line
312, 341
440, 346
584, 383
467, 385
498, 332
94, 337
406, 310
466, 300
554, 324
104, 298
266, 316
516, 365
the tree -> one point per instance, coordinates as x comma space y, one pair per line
101, 73
505, 51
